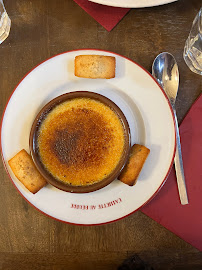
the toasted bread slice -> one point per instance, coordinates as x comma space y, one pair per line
131, 171
95, 66
24, 169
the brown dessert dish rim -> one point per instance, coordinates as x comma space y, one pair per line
33, 141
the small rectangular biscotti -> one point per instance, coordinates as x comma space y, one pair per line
25, 170
137, 158
95, 66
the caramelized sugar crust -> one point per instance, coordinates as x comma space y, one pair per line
81, 141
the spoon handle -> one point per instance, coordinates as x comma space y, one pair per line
179, 167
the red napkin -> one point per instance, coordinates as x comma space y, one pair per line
107, 16
185, 221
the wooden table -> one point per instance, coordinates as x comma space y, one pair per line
41, 29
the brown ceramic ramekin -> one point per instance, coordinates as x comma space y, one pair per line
33, 142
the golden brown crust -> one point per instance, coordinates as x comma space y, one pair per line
131, 171
81, 141
95, 66
24, 169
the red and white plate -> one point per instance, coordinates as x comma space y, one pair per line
132, 3
151, 122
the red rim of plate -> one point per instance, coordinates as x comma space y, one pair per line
169, 169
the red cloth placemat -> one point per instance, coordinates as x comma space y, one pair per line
185, 221
107, 16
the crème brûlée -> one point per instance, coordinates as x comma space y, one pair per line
80, 141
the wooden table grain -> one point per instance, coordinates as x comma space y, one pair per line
41, 29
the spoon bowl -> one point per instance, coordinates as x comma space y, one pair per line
165, 71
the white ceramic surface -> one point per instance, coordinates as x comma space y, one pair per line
146, 109
132, 3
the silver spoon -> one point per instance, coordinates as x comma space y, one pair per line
165, 71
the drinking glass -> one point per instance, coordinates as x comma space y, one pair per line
193, 46
5, 23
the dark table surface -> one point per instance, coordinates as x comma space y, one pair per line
41, 29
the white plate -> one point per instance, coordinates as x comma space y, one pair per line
132, 3
151, 122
